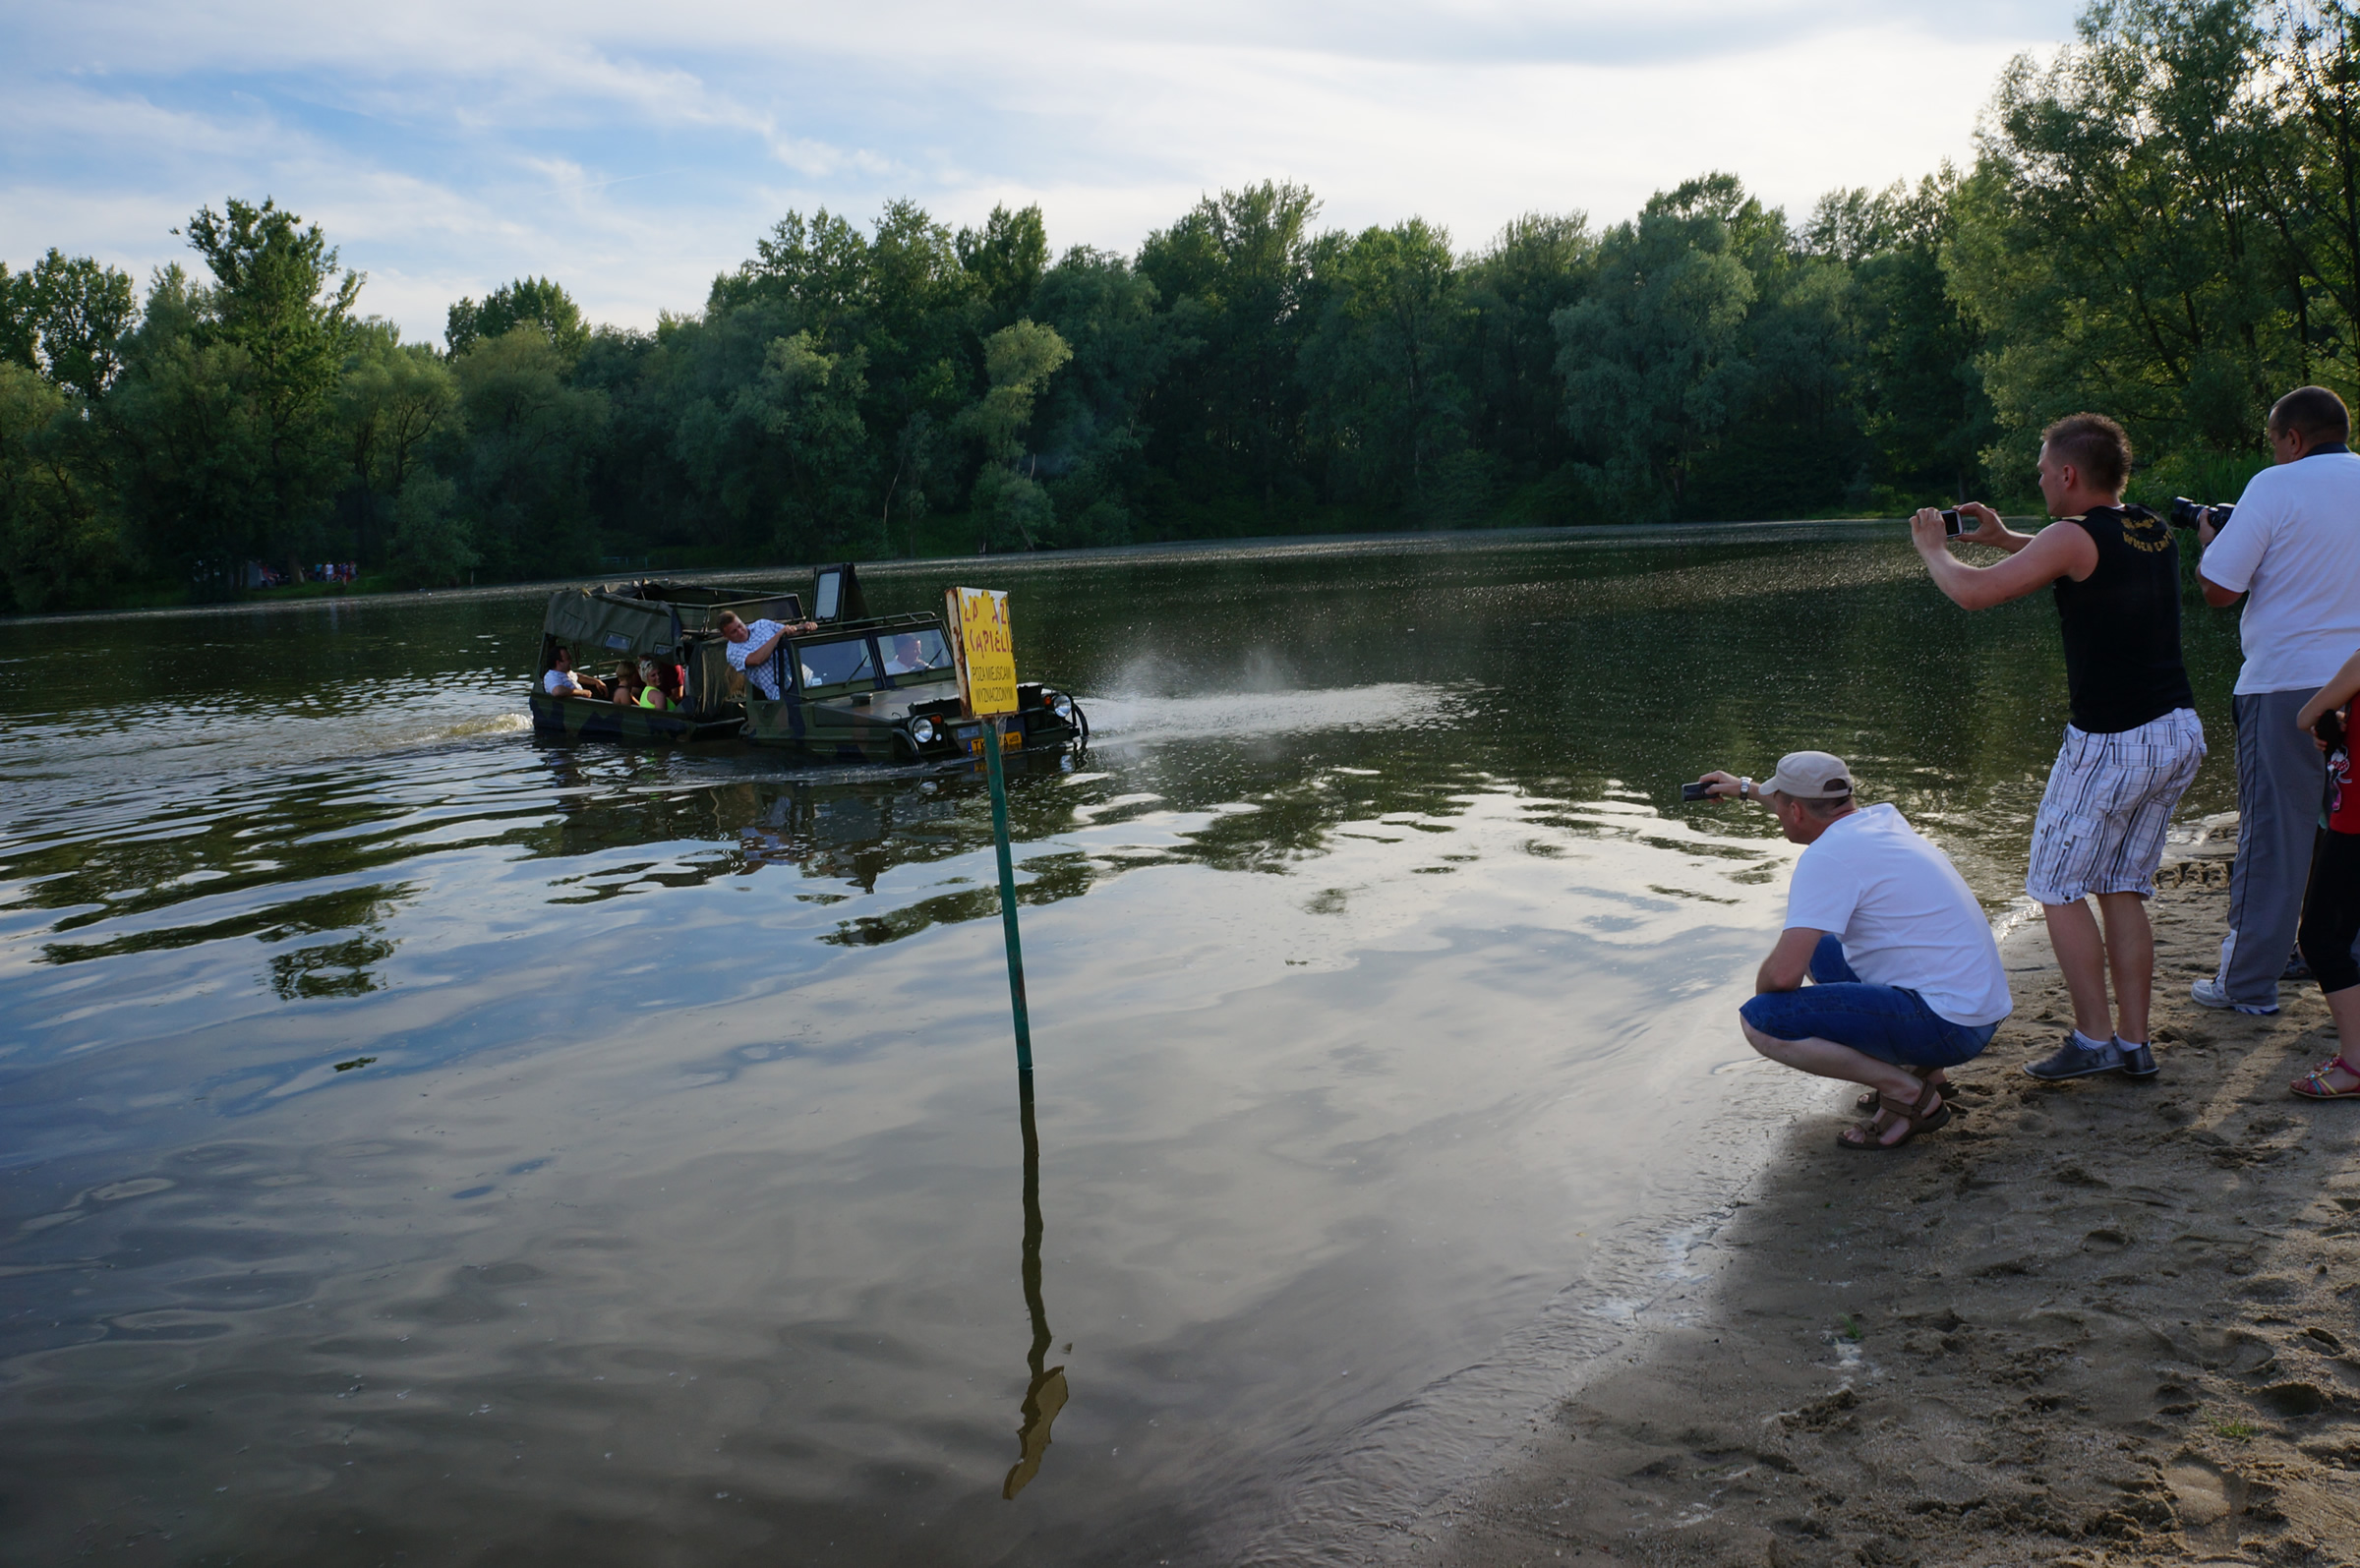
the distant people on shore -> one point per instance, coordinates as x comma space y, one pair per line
2133, 742
2292, 551
750, 648
1906, 978
2331, 900
561, 682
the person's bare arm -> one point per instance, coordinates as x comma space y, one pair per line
1789, 962
759, 652
1990, 530
2057, 550
2342, 687
1723, 785
2218, 597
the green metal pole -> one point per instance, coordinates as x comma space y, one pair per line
999, 842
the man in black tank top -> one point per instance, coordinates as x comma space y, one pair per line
2133, 744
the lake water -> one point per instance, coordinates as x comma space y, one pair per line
423, 1144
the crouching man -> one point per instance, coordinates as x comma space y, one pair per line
1904, 974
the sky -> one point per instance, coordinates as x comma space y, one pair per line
634, 151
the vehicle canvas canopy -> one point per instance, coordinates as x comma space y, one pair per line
638, 620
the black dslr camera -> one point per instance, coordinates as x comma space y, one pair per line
2186, 513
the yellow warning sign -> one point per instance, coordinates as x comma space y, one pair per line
986, 653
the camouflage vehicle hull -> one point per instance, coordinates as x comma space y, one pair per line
587, 719
836, 730
885, 690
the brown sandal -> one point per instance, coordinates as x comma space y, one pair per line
1873, 1102
1926, 1114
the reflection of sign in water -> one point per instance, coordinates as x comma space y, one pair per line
1044, 1394
979, 619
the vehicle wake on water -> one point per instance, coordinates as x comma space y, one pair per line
1136, 720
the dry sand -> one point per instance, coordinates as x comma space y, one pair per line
2105, 1322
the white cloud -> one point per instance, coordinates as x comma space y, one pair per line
634, 152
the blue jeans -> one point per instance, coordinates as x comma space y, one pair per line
1887, 1022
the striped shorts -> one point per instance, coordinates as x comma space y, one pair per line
2109, 798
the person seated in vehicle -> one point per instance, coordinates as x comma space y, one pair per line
626, 683
659, 684
561, 682
908, 656
749, 646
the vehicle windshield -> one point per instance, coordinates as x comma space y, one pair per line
915, 651
833, 663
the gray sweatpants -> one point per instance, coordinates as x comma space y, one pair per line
2281, 780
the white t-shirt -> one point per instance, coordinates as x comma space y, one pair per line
2294, 547
561, 683
1903, 913
760, 632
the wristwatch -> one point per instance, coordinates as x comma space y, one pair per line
1745, 789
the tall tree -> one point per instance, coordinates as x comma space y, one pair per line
1916, 381
1007, 258
1018, 360
1650, 357
58, 544
1090, 432
190, 444
395, 397
1381, 364
66, 318
2110, 240
238, 443
533, 302
1238, 269
522, 475
1538, 265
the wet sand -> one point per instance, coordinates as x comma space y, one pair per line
2105, 1322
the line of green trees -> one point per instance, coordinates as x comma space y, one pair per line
2162, 223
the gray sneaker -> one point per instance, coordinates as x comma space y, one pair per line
2208, 993
2138, 1060
2074, 1059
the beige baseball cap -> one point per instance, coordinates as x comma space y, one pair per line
1808, 776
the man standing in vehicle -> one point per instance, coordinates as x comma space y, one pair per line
2292, 552
2133, 742
750, 647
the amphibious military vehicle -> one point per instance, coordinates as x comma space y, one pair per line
851, 686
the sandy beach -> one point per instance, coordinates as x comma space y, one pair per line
2105, 1322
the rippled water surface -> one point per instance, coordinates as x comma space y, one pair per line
419, 1143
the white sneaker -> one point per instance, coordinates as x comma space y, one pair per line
2208, 993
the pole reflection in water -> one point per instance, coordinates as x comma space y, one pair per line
1044, 1395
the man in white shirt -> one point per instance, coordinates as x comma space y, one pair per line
561, 682
1906, 978
750, 648
2291, 552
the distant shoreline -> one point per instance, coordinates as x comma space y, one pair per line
1175, 550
